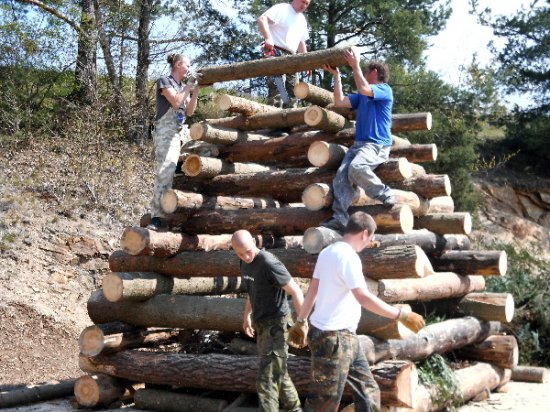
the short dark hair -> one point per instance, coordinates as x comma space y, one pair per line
382, 69
360, 221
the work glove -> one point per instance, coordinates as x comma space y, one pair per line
194, 79
297, 334
411, 320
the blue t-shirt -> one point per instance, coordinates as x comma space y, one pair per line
373, 115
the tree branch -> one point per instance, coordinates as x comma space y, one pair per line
54, 12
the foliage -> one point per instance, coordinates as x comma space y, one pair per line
434, 372
528, 281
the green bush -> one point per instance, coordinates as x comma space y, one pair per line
434, 372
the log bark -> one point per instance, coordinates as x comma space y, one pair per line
499, 350
439, 204
409, 260
36, 393
98, 390
234, 373
473, 262
381, 327
437, 286
443, 223
313, 94
402, 122
167, 401
322, 119
208, 167
140, 286
274, 66
330, 155
530, 374
281, 118
222, 135
241, 105
416, 153
427, 186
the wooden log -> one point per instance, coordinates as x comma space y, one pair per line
439, 204
473, 262
208, 167
241, 105
36, 393
281, 118
416, 153
168, 401
443, 223
222, 135
179, 201
313, 94
291, 221
139, 286
399, 142
427, 186
235, 373
381, 327
417, 170
322, 119
437, 286
408, 260
330, 155
98, 390
498, 350
401, 122
275, 66
534, 374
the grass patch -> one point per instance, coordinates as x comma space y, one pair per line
434, 372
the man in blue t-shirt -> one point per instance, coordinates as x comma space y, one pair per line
373, 139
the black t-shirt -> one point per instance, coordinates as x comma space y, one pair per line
264, 278
163, 105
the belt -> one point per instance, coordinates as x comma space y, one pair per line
283, 50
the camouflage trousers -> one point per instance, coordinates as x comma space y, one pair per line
289, 80
274, 383
357, 170
337, 360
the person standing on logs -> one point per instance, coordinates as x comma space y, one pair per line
373, 138
285, 32
338, 290
175, 100
267, 314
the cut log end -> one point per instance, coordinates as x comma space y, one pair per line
429, 121
406, 218
86, 391
503, 264
197, 131
434, 150
301, 90
314, 197
193, 165
318, 153
313, 115
134, 240
91, 341
468, 224
224, 102
316, 238
447, 186
112, 287
509, 308
405, 168
169, 201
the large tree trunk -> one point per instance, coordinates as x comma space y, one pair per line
443, 223
208, 167
313, 94
501, 351
427, 186
473, 262
271, 120
167, 401
241, 105
99, 390
86, 58
407, 261
271, 67
140, 286
36, 393
236, 373
222, 135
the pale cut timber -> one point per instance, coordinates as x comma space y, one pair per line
36, 393
417, 170
222, 135
313, 94
98, 390
443, 223
427, 186
398, 142
498, 350
402, 122
439, 204
274, 66
139, 286
208, 167
436, 286
409, 260
241, 105
417, 153
383, 328
234, 372
167, 401
281, 118
323, 119
326, 154
535, 374
178, 201
473, 262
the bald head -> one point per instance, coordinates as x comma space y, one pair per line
244, 245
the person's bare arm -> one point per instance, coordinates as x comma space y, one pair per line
176, 99
339, 99
375, 304
309, 300
295, 292
247, 319
192, 103
263, 25
363, 86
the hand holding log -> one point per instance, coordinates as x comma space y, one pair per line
412, 320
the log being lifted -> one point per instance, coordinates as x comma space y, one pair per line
443, 223
498, 350
98, 390
322, 119
241, 105
397, 379
222, 135
530, 374
36, 393
139, 286
470, 262
168, 401
291, 221
274, 66
313, 94
281, 118
408, 260
208, 167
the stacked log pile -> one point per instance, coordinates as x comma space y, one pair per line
185, 277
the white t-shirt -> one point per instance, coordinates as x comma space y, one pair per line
288, 28
339, 270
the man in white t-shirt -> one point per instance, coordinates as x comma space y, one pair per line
284, 29
338, 290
